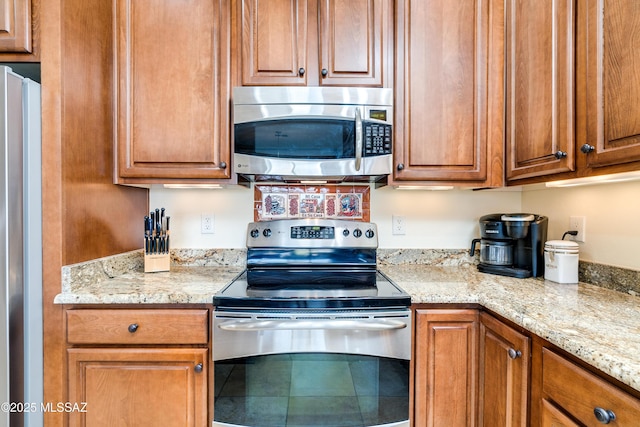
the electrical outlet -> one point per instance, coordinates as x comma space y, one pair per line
206, 223
398, 225
578, 223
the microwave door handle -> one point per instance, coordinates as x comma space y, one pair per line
358, 139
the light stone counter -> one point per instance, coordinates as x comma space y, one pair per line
195, 276
597, 325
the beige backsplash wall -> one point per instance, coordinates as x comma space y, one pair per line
612, 214
434, 219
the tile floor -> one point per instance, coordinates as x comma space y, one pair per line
309, 390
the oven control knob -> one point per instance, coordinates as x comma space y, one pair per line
369, 233
255, 233
266, 232
357, 232
345, 232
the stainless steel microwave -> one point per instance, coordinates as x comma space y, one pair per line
313, 133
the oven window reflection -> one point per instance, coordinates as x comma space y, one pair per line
311, 389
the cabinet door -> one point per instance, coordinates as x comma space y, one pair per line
446, 368
553, 417
138, 387
449, 91
504, 374
172, 90
273, 38
540, 123
354, 41
589, 399
612, 82
15, 26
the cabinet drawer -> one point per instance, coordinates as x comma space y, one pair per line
137, 326
580, 392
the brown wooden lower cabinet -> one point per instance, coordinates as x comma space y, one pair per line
553, 417
579, 395
504, 374
446, 367
141, 367
138, 387
470, 369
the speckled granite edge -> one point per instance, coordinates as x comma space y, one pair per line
78, 276
610, 277
434, 257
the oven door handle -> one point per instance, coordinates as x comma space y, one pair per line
248, 325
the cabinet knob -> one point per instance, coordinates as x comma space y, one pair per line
560, 154
605, 416
223, 165
198, 368
324, 72
301, 71
586, 148
133, 327
514, 354
400, 166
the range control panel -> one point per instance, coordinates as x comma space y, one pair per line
316, 233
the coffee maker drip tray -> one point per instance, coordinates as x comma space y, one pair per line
519, 273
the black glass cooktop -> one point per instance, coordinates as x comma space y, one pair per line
375, 292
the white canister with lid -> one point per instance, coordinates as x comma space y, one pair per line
561, 261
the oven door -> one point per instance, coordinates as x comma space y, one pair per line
309, 369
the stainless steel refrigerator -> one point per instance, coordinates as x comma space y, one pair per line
21, 370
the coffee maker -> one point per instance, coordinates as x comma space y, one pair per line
512, 244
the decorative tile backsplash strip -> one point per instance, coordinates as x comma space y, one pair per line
311, 201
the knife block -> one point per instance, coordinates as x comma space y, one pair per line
156, 262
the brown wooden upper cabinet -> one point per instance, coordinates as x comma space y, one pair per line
172, 90
611, 62
449, 92
19, 30
573, 84
540, 122
314, 42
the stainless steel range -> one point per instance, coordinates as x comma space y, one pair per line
311, 333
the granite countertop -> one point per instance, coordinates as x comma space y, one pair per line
597, 325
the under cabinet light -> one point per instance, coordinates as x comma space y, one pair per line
592, 180
195, 186
424, 187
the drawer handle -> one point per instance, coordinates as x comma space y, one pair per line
133, 327
560, 154
587, 148
605, 416
198, 368
514, 354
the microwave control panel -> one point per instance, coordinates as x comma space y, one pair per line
377, 138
